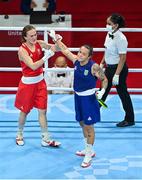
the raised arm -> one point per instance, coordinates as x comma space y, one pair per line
46, 45
63, 48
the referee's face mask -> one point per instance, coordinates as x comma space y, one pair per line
110, 26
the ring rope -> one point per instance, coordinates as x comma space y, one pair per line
73, 49
5, 69
68, 89
73, 29
45, 29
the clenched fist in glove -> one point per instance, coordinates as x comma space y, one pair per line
115, 80
99, 94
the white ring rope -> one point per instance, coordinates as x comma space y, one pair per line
8, 69
73, 49
46, 29
83, 29
68, 89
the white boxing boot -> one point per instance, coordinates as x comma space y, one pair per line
47, 141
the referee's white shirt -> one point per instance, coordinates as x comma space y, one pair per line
114, 47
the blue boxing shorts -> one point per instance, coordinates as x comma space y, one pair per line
87, 109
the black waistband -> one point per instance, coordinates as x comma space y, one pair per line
112, 65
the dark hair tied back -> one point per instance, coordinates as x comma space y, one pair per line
118, 19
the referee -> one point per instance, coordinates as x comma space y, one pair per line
116, 68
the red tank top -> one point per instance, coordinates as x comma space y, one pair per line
36, 55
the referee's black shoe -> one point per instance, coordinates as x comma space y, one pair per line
125, 123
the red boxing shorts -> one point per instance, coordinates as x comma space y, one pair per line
31, 95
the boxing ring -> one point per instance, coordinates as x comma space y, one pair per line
118, 150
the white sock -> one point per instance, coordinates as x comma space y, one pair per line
89, 149
45, 135
88, 154
44, 132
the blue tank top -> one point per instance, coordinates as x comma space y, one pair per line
83, 79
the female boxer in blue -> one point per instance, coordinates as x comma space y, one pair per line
86, 73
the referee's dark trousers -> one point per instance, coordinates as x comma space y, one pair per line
121, 90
